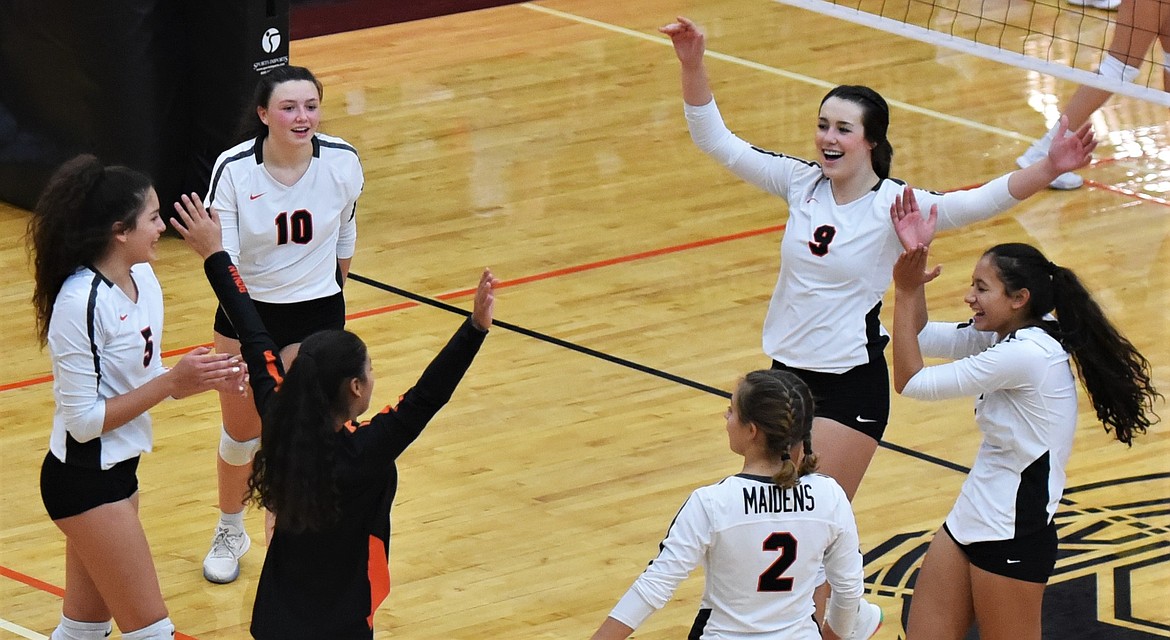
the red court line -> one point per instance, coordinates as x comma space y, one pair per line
506, 283
32, 582
55, 590
1127, 192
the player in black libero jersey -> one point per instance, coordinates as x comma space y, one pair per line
330, 482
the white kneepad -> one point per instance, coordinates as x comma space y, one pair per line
70, 629
234, 452
1114, 69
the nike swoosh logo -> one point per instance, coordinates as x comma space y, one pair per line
256, 195
123, 317
860, 419
1014, 561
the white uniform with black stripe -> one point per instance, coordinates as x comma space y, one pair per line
1027, 411
286, 241
102, 345
836, 260
760, 547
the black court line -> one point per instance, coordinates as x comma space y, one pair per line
630, 364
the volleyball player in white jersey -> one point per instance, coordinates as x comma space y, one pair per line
99, 308
993, 556
287, 198
762, 536
839, 246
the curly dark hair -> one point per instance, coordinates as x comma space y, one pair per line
73, 222
1116, 376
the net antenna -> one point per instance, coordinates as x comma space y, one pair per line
1040, 35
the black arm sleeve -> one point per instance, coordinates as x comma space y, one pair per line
400, 426
265, 369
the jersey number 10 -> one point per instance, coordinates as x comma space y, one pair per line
297, 227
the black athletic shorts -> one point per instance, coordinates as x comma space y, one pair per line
858, 398
68, 490
1030, 557
290, 323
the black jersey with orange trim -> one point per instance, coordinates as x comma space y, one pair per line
328, 583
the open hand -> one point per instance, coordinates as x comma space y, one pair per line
910, 270
201, 369
485, 301
1071, 150
913, 230
199, 227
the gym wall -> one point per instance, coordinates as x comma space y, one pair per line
157, 85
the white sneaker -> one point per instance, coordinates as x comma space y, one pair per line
1064, 182
1105, 5
222, 564
869, 620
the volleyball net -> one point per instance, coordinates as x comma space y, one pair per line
1046, 36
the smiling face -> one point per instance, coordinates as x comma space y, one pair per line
993, 308
141, 242
293, 112
844, 151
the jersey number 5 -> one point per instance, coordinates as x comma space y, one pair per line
297, 227
773, 578
148, 350
822, 236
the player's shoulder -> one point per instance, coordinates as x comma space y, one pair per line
144, 275
237, 152
1031, 341
334, 145
83, 295
80, 284
825, 485
891, 187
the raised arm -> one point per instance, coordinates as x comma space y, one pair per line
200, 229
689, 45
910, 315
913, 230
1069, 152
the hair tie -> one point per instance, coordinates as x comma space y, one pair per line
785, 456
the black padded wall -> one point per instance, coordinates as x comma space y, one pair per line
158, 85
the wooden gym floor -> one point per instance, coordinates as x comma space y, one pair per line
546, 140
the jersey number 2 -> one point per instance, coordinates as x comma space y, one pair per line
822, 236
773, 578
297, 227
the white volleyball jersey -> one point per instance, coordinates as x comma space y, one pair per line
761, 548
836, 261
102, 345
286, 241
1026, 408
